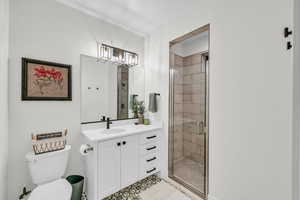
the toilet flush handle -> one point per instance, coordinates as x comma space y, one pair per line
88, 149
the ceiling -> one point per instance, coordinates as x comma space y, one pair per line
139, 16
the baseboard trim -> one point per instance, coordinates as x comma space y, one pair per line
210, 197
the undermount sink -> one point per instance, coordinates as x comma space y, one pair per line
113, 131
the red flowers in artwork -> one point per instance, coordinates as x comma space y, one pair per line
46, 78
50, 74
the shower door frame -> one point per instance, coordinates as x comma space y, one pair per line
171, 116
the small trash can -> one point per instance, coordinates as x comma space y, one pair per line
77, 182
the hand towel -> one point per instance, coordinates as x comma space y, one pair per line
152, 103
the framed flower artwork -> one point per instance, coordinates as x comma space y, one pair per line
42, 80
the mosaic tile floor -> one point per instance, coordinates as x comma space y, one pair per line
132, 192
150, 188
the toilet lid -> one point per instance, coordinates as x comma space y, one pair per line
58, 190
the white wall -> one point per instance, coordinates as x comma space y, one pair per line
50, 31
250, 94
4, 24
296, 114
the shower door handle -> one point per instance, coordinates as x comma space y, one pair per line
201, 128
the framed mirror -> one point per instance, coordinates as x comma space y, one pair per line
107, 89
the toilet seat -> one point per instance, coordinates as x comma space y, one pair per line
59, 190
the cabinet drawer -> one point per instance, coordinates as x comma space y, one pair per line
149, 137
149, 160
148, 149
148, 170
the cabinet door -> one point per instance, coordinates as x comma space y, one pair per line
109, 167
129, 161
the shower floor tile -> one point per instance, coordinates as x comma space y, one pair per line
191, 172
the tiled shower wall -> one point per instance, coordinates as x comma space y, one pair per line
178, 107
189, 108
193, 107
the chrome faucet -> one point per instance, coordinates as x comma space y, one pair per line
108, 123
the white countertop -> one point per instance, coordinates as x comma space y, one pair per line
96, 135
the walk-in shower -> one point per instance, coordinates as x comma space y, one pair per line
188, 117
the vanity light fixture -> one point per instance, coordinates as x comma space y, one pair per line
116, 55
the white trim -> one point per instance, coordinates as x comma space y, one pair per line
4, 57
210, 197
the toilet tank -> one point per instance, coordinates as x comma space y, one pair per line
49, 166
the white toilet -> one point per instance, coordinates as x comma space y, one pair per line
46, 171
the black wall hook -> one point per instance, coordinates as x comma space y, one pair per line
287, 32
289, 45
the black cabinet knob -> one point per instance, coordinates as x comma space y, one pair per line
124, 142
119, 143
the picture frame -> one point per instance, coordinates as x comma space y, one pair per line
46, 81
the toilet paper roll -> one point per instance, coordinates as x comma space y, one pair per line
85, 149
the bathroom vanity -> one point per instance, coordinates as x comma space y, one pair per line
119, 157
120, 154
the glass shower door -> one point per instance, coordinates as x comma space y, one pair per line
188, 120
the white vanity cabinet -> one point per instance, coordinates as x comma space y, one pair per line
118, 164
121, 161
149, 154
129, 161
